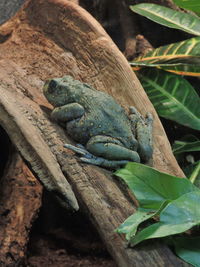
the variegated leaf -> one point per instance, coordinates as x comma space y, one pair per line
169, 17
172, 96
182, 58
183, 69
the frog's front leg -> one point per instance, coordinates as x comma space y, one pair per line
68, 112
142, 129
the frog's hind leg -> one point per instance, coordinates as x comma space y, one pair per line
105, 151
87, 157
142, 129
110, 148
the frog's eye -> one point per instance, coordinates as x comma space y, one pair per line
52, 86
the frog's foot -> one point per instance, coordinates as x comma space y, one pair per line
142, 129
111, 164
133, 110
87, 157
136, 116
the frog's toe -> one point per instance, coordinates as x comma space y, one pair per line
149, 117
92, 160
99, 161
80, 149
133, 110
80, 146
77, 149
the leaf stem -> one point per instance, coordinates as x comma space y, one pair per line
194, 174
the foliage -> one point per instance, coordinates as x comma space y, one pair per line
182, 58
188, 249
172, 96
169, 17
188, 143
173, 201
182, 149
192, 170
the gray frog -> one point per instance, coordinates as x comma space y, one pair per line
107, 136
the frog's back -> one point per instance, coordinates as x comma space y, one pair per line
103, 116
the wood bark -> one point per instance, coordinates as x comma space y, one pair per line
20, 199
52, 38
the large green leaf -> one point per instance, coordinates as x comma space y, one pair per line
172, 96
151, 187
178, 216
183, 57
174, 200
188, 249
193, 5
169, 17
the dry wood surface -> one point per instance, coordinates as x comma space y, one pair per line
52, 38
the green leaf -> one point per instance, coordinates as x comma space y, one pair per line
151, 187
169, 17
195, 173
188, 249
172, 96
189, 170
130, 225
183, 146
193, 5
178, 216
181, 57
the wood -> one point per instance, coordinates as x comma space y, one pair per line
54, 38
129, 27
20, 199
34, 149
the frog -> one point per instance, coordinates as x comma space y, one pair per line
105, 134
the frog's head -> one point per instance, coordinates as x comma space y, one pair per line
57, 90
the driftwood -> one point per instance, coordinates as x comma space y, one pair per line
50, 38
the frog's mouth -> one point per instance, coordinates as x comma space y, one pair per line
45, 87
